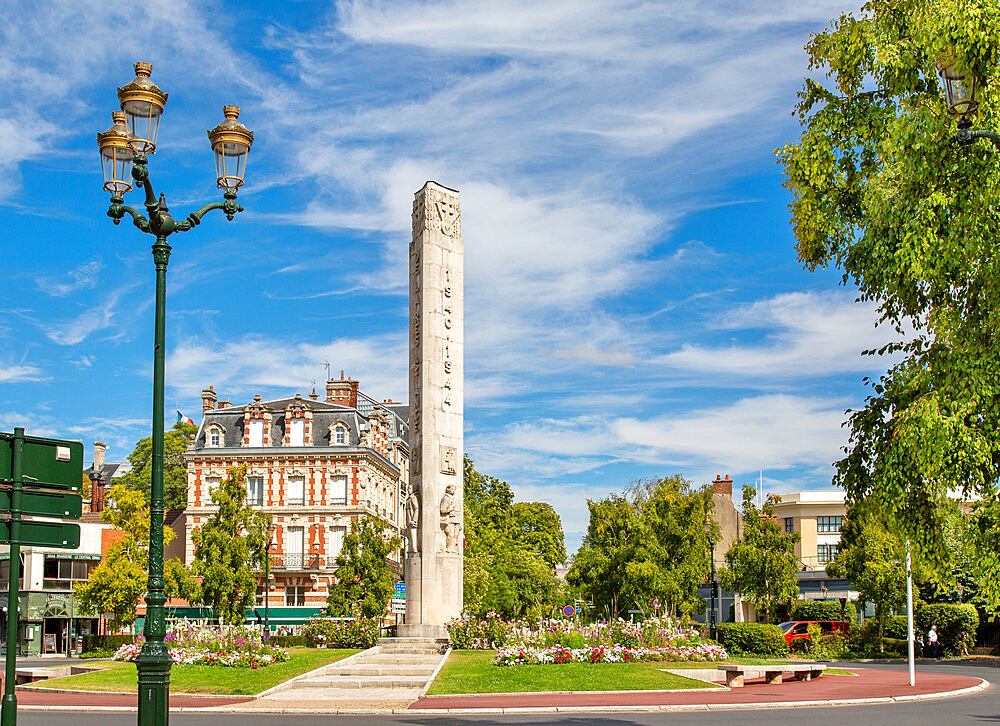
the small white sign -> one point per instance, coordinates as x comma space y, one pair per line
62, 453
399, 609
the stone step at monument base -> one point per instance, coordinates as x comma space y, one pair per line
413, 645
373, 678
379, 669
367, 681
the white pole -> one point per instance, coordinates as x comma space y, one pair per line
909, 615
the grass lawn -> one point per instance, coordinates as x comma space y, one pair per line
217, 680
472, 671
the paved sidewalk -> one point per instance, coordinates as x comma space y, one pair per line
870, 683
88, 700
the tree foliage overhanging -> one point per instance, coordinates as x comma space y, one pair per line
648, 542
229, 545
175, 443
365, 579
117, 584
762, 564
913, 221
511, 550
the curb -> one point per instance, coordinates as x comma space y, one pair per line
981, 686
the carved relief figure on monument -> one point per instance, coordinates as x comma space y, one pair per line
413, 519
451, 519
449, 460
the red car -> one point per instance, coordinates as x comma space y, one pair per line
799, 629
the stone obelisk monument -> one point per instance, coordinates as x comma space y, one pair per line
434, 510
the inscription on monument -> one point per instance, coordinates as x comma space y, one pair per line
433, 508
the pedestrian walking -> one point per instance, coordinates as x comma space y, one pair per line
932, 642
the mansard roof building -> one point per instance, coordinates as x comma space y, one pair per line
314, 466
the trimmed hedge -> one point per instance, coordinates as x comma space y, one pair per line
753, 638
288, 641
823, 610
93, 643
956, 625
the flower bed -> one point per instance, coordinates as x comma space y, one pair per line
564, 641
342, 632
607, 654
192, 643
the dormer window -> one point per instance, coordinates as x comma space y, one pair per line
256, 433
215, 436
297, 432
338, 434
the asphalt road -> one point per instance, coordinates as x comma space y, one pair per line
980, 709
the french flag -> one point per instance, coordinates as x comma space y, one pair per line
182, 418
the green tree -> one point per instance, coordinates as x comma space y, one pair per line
521, 584
673, 559
511, 550
761, 565
364, 577
117, 584
175, 444
911, 219
228, 546
539, 528
872, 558
599, 569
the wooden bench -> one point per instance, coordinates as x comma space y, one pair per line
735, 674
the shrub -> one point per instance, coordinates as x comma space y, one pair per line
288, 641
112, 643
956, 625
103, 653
753, 638
823, 610
342, 633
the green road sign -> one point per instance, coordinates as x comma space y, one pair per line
45, 463
44, 534
45, 504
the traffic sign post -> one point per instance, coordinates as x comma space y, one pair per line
38, 464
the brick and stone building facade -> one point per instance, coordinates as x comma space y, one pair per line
313, 465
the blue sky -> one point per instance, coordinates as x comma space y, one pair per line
634, 305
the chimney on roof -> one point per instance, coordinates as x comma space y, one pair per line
722, 486
344, 393
224, 404
99, 449
208, 400
314, 395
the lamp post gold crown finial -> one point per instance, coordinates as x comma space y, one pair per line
143, 69
232, 112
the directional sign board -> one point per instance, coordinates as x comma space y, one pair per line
44, 534
46, 504
398, 607
45, 463
400, 588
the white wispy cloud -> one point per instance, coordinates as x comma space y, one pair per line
17, 372
805, 334
279, 366
84, 277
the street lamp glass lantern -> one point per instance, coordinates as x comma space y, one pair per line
116, 156
959, 87
231, 142
143, 105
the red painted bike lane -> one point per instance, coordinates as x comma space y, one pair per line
868, 683
118, 700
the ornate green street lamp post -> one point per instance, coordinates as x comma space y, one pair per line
960, 89
125, 147
712, 627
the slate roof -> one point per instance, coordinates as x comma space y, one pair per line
110, 470
325, 414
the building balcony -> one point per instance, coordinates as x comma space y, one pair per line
298, 562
